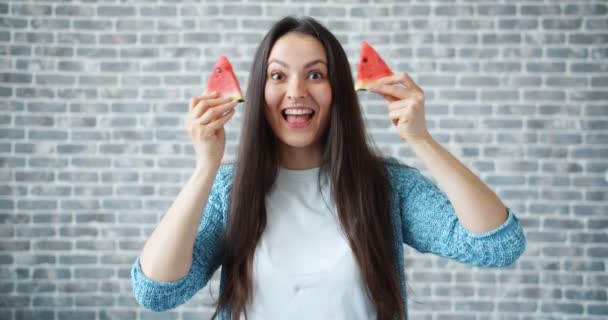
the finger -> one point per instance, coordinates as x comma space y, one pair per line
400, 78
397, 116
219, 123
394, 115
392, 91
409, 82
195, 100
206, 104
216, 112
398, 104
392, 79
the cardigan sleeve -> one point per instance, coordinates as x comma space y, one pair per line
206, 257
430, 224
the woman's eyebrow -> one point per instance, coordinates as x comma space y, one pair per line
305, 66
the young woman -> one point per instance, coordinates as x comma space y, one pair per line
310, 222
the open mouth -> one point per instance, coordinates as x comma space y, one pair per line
299, 119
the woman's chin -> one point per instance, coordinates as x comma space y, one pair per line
303, 141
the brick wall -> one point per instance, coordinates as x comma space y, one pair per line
93, 146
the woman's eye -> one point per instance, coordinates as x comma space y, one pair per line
315, 75
276, 76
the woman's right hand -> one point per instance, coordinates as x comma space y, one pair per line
205, 125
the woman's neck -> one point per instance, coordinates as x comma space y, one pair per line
299, 158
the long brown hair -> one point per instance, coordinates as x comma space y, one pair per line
359, 184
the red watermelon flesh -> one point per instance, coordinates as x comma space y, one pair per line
224, 81
371, 67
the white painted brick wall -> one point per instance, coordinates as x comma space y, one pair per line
93, 148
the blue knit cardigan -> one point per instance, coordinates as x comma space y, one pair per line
422, 217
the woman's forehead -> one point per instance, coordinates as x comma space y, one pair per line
297, 49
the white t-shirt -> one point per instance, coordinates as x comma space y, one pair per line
303, 265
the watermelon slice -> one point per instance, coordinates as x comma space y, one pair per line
224, 81
371, 67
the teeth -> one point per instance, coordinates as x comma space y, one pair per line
298, 111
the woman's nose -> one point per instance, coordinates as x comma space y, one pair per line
296, 90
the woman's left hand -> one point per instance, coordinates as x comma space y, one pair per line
406, 105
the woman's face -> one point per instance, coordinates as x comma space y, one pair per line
297, 91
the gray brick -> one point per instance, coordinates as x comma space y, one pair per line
453, 10
93, 273
14, 22
50, 24
97, 52
16, 246
574, 294
16, 78
97, 245
46, 107
494, 10
597, 309
595, 153
562, 24
43, 232
34, 176
158, 11
512, 306
594, 124
6, 260
588, 39
513, 39
47, 135
34, 315
589, 238
115, 11
77, 287
503, 67
11, 133
562, 279
134, 25
116, 314
116, 259
518, 24
34, 37
546, 67
53, 245
586, 9
540, 9
31, 9
595, 24
567, 52
588, 67
149, 315
76, 259
78, 231
411, 10
584, 266
53, 51
200, 10
599, 81
242, 10
6, 92
367, 12
567, 308
118, 39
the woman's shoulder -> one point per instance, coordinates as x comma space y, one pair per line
398, 170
